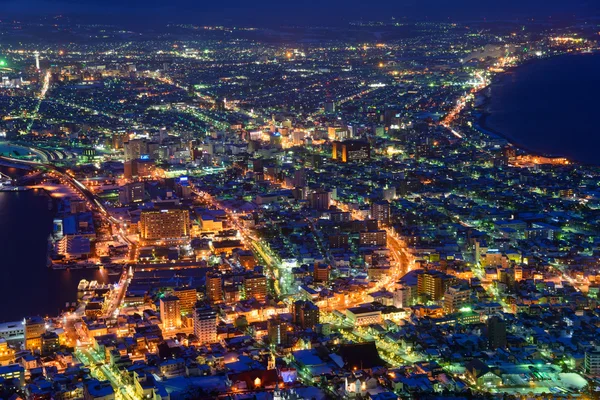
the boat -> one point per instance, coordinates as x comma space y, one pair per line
83, 284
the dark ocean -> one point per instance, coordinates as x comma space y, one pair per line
27, 286
551, 107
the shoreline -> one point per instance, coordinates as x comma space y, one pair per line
481, 122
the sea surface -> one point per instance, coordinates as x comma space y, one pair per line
551, 106
27, 286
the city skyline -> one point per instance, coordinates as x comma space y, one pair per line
368, 208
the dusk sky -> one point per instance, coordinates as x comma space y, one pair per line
305, 11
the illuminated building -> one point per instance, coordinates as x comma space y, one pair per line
144, 168
205, 325
187, 299
130, 169
12, 371
232, 294
275, 139
255, 287
592, 362
214, 287
336, 133
373, 238
433, 284
246, 259
77, 205
456, 298
73, 246
467, 317
164, 224
210, 223
305, 314
298, 138
225, 246
118, 139
403, 297
279, 330
360, 316
132, 193
381, 212
34, 328
138, 148
321, 273
351, 150
7, 355
170, 312
50, 343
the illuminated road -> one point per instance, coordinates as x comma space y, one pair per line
248, 238
103, 371
461, 103
41, 96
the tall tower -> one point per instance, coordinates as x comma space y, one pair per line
37, 60
170, 312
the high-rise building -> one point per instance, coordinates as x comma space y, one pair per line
321, 273
338, 241
329, 106
187, 299
170, 312
132, 193
496, 332
298, 137
305, 314
130, 169
50, 343
205, 324
434, 284
455, 298
403, 297
299, 178
380, 211
164, 224
214, 287
336, 133
278, 330
34, 328
373, 238
232, 294
135, 149
320, 200
351, 150
592, 362
255, 287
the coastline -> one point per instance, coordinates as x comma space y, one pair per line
481, 122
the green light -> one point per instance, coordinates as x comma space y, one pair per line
2, 63
466, 309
